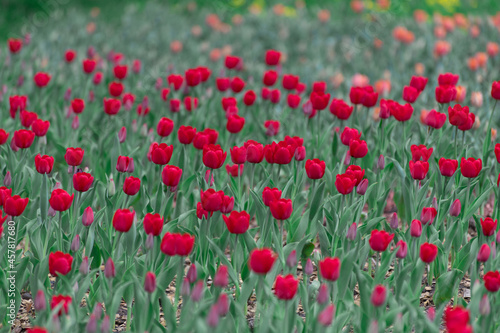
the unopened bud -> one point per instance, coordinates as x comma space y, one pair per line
394, 223
484, 305
325, 317
67, 94
192, 274
347, 159
150, 241
213, 317
40, 302
223, 305
144, 130
309, 267
76, 123
51, 212
381, 162
88, 217
362, 187
221, 279
84, 266
7, 180
75, 244
291, 260
109, 269
122, 134
186, 288
323, 296
130, 167
150, 282
484, 253
111, 186
300, 153
456, 208
352, 231
105, 325
91, 324
198, 291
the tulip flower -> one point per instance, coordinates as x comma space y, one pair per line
447, 167
380, 240
286, 287
213, 156
344, 184
74, 156
131, 185
60, 200
23, 138
123, 220
330, 268
44, 164
315, 169
484, 253
82, 181
160, 153
470, 168
272, 57
174, 244
63, 301
379, 295
237, 222
261, 260
488, 226
60, 263
416, 228
492, 281
428, 252
418, 170
281, 209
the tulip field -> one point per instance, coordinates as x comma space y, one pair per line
283, 168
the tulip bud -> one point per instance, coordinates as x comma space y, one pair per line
291, 260
402, 249
416, 228
84, 266
185, 288
111, 186
373, 327
97, 311
309, 267
300, 153
209, 178
394, 223
40, 302
323, 296
431, 313
144, 130
91, 96
56, 324
75, 244
347, 159
91, 324
223, 305
105, 325
497, 238
352, 231
378, 295
122, 134
198, 291
75, 123
150, 282
325, 317
109, 269
88, 217
484, 305
192, 274
150, 241
7, 181
381, 162
435, 203
362, 187
484, 253
51, 212
130, 167
67, 94
134, 126
456, 208
43, 140
213, 317
221, 277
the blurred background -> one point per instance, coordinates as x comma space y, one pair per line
16, 13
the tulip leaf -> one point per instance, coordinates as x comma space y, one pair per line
446, 284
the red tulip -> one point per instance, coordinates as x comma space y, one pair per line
379, 295
165, 127
420, 152
272, 57
74, 156
249, 98
60, 200
401, 112
112, 106
484, 253
235, 170
186, 134
445, 94
222, 83
344, 184
232, 62
279, 153
171, 175
435, 119
88, 65
470, 168
200, 212
286, 287
64, 301
492, 281
356, 173
23, 138
275, 96
293, 101
410, 94
237, 84
489, 226
124, 163
227, 204
325, 317
221, 279
123, 220
175, 105
428, 215
41, 79
358, 148
272, 127
177, 244
255, 151
15, 45
428, 252
120, 71
471, 118
416, 228
175, 81
269, 78
319, 100
340, 109
448, 79
495, 90
402, 249
447, 167
36, 329
44, 164
4, 194
213, 156
290, 81
418, 82
211, 200
237, 222
27, 118
160, 153
97, 78
131, 185
3, 136
458, 115
228, 102
13, 205
380, 240
235, 124
330, 268
82, 181
281, 209
261, 260
349, 134
315, 169
238, 155
153, 224
40, 127
60, 263
269, 195
418, 170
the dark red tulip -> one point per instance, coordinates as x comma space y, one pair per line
186, 134
200, 212
272, 127
41, 79
492, 281
380, 240
281, 209
231, 62
418, 170
123, 220
370, 97
286, 287
290, 81
175, 105
17, 103
13, 205
410, 94
77, 105
402, 249
120, 71
227, 204
3, 136
356, 173
88, 65
386, 106
319, 100
270, 78
27, 118
131, 185
269, 195
428, 215
200, 140
4, 194
175, 81
447, 167
448, 79
44, 164
418, 82
115, 89
82, 181
227, 102
315, 168
458, 115
23, 138
401, 112
272, 57
349, 134
488, 226
112, 106
261, 260
60, 200
275, 96
279, 153
497, 149
153, 224
60, 263
74, 156
340, 109
237, 84
249, 98
428, 252
329, 268
235, 170
293, 101
435, 119
213, 156
204, 73
15, 45
165, 127
445, 94
344, 184
177, 244
379, 295
358, 148
193, 77
356, 95
235, 124
190, 103
171, 175
97, 78
470, 168
420, 152
160, 153
471, 118
484, 253
63, 301
255, 151
237, 222
211, 200
124, 163
238, 155
222, 83
164, 94
495, 90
